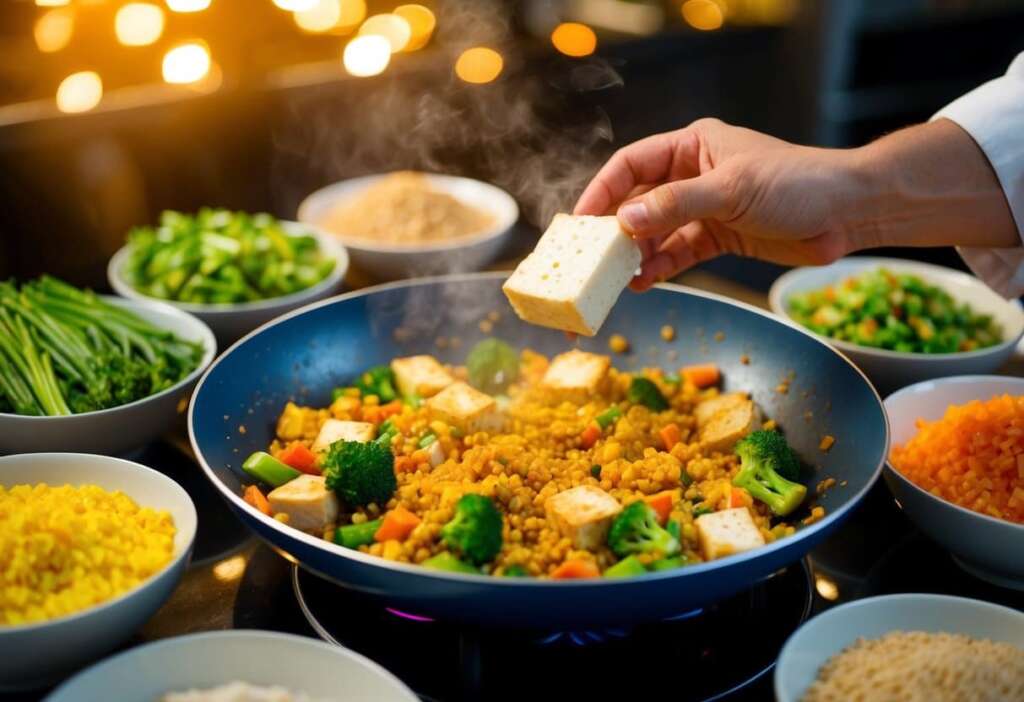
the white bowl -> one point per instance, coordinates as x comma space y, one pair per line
389, 261
230, 322
889, 370
118, 430
39, 653
834, 630
297, 663
990, 548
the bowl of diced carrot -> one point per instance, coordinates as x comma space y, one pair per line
957, 469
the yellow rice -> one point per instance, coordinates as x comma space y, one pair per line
64, 549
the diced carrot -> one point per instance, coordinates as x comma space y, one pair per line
420, 456
661, 503
397, 524
391, 408
703, 375
372, 414
254, 497
300, 458
670, 435
738, 497
576, 569
404, 463
590, 436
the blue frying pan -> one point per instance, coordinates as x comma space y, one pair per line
302, 355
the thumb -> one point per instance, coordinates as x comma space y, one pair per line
673, 205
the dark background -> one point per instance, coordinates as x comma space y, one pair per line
286, 118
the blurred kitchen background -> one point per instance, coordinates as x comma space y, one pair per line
111, 111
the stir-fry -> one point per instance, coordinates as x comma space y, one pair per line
516, 465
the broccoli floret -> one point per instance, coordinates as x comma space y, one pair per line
636, 530
379, 381
360, 472
515, 571
475, 530
643, 391
767, 468
447, 562
493, 365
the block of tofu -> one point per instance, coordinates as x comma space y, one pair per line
420, 375
725, 419
339, 429
310, 506
466, 408
576, 371
584, 514
727, 532
575, 274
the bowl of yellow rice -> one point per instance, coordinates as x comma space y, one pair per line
91, 547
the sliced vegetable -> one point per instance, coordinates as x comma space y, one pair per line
643, 391
267, 469
703, 375
670, 563
448, 562
589, 436
379, 381
608, 417
255, 497
702, 510
576, 568
426, 440
670, 435
397, 524
595, 471
737, 497
300, 458
492, 365
661, 503
626, 568
356, 535
515, 571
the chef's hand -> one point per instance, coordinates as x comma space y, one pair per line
711, 188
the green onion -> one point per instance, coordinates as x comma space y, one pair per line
356, 535
607, 417
265, 468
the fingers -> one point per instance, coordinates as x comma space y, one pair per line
674, 205
646, 162
680, 250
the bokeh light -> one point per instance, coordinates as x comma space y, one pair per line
353, 12
295, 5
53, 29
574, 39
322, 17
479, 65
704, 15
186, 63
188, 5
392, 27
138, 24
52, 3
79, 92
421, 23
367, 55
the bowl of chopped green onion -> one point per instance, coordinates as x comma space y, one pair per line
89, 373
902, 321
233, 270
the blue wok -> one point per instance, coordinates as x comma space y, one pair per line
302, 355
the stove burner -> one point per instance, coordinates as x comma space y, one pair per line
445, 662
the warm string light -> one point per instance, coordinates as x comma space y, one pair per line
367, 55
705, 15
186, 63
479, 65
574, 39
188, 5
395, 29
138, 24
353, 12
295, 5
322, 17
53, 29
80, 92
421, 23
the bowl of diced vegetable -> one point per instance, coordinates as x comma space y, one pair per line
902, 321
89, 373
233, 270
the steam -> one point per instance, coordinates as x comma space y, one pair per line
502, 132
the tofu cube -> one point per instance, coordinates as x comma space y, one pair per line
338, 430
310, 506
420, 375
584, 514
575, 274
466, 408
727, 532
576, 372
725, 419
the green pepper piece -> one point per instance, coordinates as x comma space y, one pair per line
356, 535
628, 567
265, 468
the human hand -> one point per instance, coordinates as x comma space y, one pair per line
712, 188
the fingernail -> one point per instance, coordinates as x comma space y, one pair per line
634, 215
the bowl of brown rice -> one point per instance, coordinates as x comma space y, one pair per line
903, 648
91, 547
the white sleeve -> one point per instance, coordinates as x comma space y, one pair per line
993, 114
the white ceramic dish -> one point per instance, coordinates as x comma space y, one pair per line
832, 631
37, 654
990, 548
391, 261
297, 663
118, 430
889, 370
231, 322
